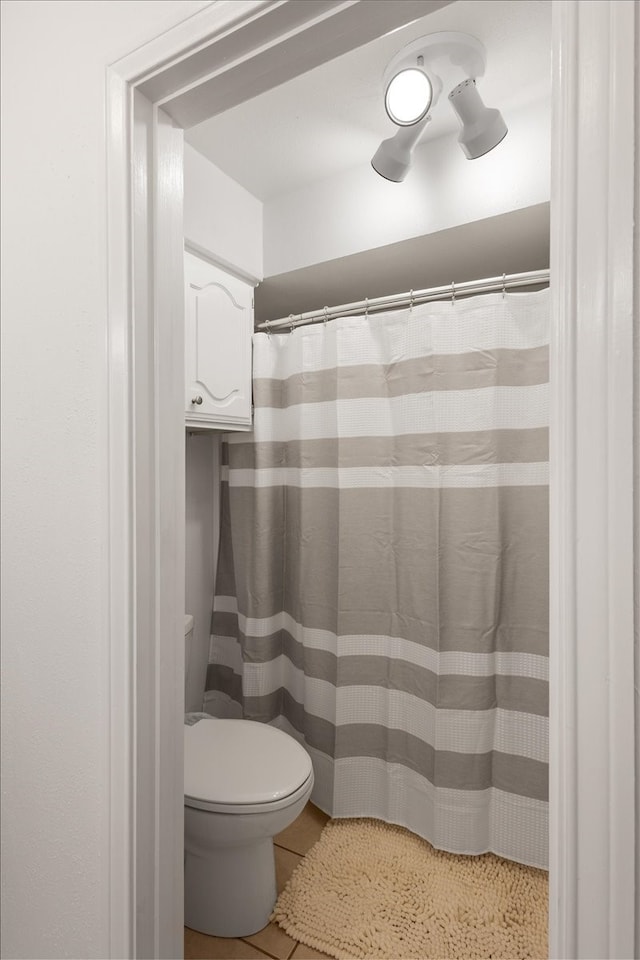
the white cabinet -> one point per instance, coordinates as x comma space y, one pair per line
219, 325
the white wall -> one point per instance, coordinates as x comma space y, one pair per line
359, 210
55, 790
221, 218
202, 536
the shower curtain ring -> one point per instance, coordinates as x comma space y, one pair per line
291, 323
453, 294
325, 310
410, 301
268, 326
366, 306
504, 285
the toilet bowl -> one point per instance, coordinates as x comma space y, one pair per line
244, 782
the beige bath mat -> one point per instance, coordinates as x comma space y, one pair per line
368, 889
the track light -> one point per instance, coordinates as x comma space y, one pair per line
482, 128
413, 82
392, 159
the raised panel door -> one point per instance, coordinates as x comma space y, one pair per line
218, 347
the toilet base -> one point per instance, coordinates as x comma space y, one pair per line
232, 891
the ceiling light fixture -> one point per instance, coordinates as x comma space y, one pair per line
413, 82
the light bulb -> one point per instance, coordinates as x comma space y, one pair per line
408, 96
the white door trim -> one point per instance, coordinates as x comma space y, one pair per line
120, 635
594, 751
591, 634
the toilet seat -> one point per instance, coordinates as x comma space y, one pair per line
240, 766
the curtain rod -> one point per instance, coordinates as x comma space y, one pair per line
452, 290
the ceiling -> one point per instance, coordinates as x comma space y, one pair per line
332, 118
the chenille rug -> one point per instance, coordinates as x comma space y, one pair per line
368, 889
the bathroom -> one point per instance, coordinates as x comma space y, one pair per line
312, 223
93, 427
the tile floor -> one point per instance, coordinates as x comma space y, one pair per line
290, 847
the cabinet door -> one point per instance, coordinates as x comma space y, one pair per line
219, 318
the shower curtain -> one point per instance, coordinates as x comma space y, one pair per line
382, 588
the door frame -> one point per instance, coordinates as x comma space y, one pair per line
227, 52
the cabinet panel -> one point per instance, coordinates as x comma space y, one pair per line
219, 318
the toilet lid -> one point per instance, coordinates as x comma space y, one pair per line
241, 761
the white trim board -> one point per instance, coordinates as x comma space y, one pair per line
592, 504
198, 250
593, 750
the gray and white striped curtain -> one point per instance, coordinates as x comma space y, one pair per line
382, 591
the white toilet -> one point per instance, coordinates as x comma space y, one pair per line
243, 783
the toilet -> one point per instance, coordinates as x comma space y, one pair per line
244, 782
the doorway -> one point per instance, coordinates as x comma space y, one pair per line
170, 84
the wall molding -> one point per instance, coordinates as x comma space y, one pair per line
199, 251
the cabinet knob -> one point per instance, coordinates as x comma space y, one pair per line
197, 399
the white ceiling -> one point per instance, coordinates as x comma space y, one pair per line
332, 118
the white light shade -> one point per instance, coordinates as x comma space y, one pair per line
392, 159
408, 96
482, 127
